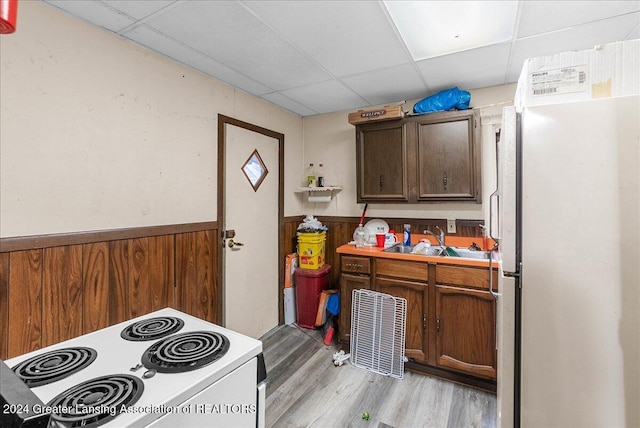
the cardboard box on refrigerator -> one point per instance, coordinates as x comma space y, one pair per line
291, 264
609, 70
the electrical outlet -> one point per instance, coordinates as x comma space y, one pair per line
451, 226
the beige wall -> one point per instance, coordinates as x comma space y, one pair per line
99, 133
330, 139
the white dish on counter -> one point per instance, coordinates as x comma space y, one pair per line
376, 226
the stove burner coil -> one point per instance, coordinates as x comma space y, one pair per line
152, 329
96, 401
185, 352
54, 365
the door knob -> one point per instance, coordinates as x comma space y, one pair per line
231, 243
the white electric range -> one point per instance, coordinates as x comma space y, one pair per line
163, 369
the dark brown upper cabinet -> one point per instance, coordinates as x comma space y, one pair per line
428, 158
382, 168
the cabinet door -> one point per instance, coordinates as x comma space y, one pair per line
381, 151
416, 322
448, 162
348, 283
465, 326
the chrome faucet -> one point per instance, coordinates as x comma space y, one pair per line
440, 238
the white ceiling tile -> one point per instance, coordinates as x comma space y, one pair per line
229, 34
382, 86
139, 9
345, 37
472, 69
576, 38
181, 53
95, 12
325, 97
542, 16
289, 104
294, 53
634, 34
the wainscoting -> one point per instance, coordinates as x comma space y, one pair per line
56, 287
53, 288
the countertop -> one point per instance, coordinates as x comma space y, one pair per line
452, 241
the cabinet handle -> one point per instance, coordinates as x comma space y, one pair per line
381, 182
444, 180
355, 266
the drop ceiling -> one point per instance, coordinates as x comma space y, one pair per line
313, 57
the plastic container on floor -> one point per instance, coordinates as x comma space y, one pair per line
290, 305
309, 285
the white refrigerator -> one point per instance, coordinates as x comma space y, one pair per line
568, 227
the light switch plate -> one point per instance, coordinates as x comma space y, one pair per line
451, 226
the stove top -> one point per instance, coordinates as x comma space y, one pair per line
170, 335
96, 401
54, 365
152, 328
185, 351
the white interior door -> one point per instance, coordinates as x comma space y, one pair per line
251, 270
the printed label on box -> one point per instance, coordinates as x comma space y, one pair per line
559, 81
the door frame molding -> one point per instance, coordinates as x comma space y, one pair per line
222, 141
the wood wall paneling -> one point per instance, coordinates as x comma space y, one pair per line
186, 271
196, 286
205, 251
118, 281
95, 280
139, 290
59, 286
25, 302
61, 291
162, 271
4, 304
61, 294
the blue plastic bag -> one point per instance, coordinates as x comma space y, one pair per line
333, 304
443, 101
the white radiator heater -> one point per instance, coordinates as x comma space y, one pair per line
378, 332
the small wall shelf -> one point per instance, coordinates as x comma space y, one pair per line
319, 194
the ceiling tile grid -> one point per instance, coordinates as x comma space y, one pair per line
312, 57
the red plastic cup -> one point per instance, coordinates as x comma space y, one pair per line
380, 239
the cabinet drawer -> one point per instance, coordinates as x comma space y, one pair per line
466, 276
355, 264
402, 269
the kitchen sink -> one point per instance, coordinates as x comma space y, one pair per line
437, 251
399, 248
472, 254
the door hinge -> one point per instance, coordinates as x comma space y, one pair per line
438, 325
424, 323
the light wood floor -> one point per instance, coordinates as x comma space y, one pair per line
305, 389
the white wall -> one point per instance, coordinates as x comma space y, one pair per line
330, 139
99, 133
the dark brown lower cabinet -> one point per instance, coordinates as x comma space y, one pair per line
416, 321
355, 276
348, 283
451, 315
465, 330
